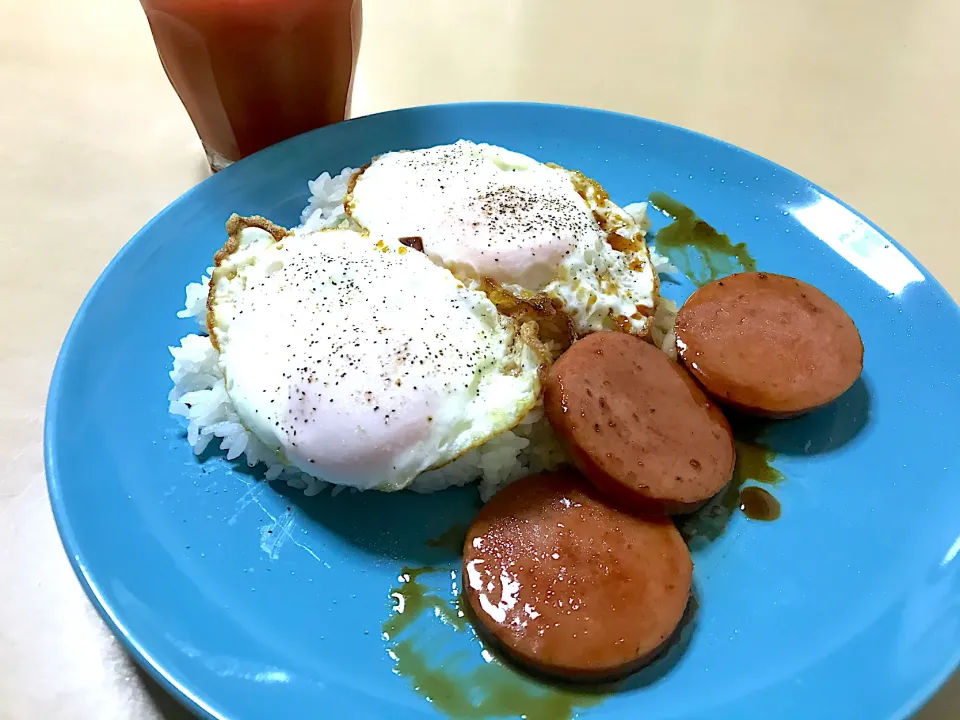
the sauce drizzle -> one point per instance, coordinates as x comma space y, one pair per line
695, 247
758, 504
459, 683
754, 463
450, 539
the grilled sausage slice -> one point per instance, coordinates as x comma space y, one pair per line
570, 586
637, 425
768, 344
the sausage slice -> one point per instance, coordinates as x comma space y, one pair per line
637, 425
768, 344
569, 586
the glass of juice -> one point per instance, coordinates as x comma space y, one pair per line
254, 72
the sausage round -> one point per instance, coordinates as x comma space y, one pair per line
637, 425
768, 344
570, 586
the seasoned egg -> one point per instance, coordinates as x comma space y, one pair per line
358, 360
487, 213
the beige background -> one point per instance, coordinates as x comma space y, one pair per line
860, 96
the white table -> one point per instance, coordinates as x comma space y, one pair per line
861, 96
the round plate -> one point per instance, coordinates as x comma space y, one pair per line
250, 600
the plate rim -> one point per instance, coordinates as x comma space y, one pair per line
190, 697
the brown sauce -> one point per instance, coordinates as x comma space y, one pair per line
450, 539
700, 252
754, 464
457, 682
758, 504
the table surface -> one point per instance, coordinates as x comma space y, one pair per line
860, 96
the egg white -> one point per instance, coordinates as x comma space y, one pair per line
360, 361
486, 212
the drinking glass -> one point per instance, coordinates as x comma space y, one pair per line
251, 73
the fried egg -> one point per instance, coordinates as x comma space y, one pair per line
360, 361
487, 213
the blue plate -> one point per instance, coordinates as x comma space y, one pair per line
252, 601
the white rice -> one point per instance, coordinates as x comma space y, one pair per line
200, 397
325, 208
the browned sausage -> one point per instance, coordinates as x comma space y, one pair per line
637, 425
769, 344
570, 586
